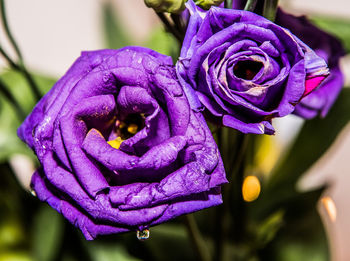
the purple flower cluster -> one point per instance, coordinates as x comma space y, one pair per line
121, 138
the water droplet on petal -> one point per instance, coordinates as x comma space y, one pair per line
142, 235
32, 192
105, 78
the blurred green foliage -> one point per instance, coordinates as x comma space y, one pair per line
14, 243
117, 37
10, 120
114, 33
340, 27
47, 230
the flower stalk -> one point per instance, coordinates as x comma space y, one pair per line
7, 30
228, 4
11, 99
170, 28
270, 9
196, 238
179, 26
250, 5
19, 66
234, 148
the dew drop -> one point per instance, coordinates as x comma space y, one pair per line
105, 78
32, 192
142, 235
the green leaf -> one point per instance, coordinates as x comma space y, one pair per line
9, 142
47, 234
268, 228
337, 26
114, 33
164, 43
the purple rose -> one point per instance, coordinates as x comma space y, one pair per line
120, 149
327, 47
244, 69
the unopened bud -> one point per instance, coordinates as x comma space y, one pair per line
170, 6
206, 4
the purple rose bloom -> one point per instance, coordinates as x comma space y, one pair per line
120, 149
329, 48
244, 69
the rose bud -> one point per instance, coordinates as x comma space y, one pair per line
170, 6
206, 4
244, 69
119, 147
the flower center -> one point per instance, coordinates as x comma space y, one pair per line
247, 69
126, 128
129, 126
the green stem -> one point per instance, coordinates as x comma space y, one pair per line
238, 206
170, 28
270, 9
9, 60
21, 69
179, 26
233, 195
20, 65
250, 5
228, 4
31, 83
233, 146
8, 95
196, 238
7, 30
242, 141
219, 235
233, 212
